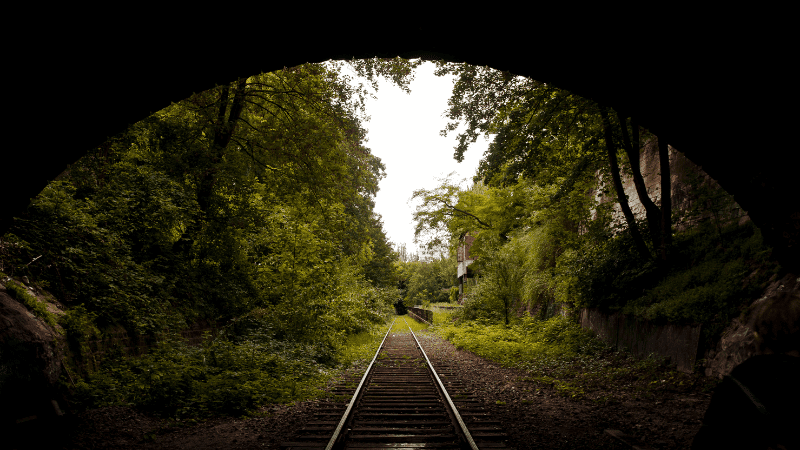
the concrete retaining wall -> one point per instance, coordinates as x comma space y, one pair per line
642, 337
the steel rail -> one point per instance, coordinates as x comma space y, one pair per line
452, 405
349, 409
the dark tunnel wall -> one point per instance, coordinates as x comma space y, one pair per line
716, 89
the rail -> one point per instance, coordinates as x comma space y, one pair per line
402, 402
349, 410
443, 390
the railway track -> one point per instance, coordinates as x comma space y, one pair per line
402, 401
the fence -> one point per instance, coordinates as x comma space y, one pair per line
421, 314
641, 337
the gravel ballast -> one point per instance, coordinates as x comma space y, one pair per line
534, 416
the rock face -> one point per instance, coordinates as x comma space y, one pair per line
738, 341
692, 187
30, 361
686, 180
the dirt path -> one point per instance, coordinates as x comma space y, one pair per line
534, 416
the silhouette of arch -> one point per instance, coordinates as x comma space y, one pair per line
716, 91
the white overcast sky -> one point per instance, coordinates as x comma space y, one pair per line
404, 133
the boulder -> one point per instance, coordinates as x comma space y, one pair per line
31, 355
739, 341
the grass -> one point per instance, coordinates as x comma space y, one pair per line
442, 316
360, 347
401, 327
567, 358
445, 305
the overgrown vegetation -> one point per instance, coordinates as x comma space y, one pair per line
249, 206
552, 230
426, 282
233, 374
715, 274
559, 353
402, 326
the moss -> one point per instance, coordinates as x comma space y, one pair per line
18, 292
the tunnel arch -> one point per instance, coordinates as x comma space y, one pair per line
714, 98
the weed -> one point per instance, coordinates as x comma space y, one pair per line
565, 357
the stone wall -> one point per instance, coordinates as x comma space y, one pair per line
687, 179
738, 340
31, 355
641, 337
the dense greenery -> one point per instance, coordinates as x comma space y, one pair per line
423, 282
713, 278
559, 353
544, 242
233, 374
249, 206
39, 309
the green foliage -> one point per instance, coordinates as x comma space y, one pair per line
252, 194
220, 377
402, 325
716, 274
427, 281
399, 70
442, 315
232, 374
559, 353
453, 294
527, 244
541, 131
556, 337
87, 263
359, 348
712, 276
250, 204
80, 327
18, 292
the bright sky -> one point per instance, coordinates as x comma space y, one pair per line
404, 133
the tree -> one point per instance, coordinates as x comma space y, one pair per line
427, 281
546, 133
253, 194
447, 213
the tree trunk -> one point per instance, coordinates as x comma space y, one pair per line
632, 150
666, 198
641, 247
222, 132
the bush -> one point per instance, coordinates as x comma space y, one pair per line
519, 344
220, 377
453, 294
